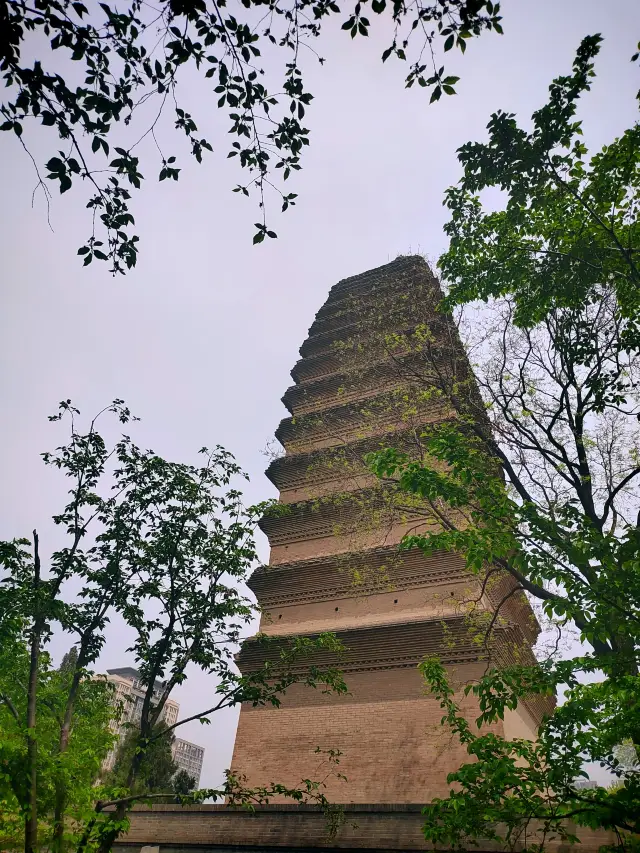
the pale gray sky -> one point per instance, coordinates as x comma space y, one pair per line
200, 338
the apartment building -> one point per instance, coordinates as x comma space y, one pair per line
188, 756
129, 695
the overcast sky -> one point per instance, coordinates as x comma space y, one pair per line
200, 338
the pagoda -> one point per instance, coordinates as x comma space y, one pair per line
375, 352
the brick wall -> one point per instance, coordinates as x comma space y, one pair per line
394, 748
296, 829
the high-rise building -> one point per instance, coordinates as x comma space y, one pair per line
189, 757
365, 382
129, 695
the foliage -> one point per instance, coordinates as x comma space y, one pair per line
524, 791
128, 63
570, 223
183, 783
157, 767
164, 547
75, 770
536, 477
235, 793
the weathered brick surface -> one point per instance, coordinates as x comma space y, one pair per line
394, 748
296, 829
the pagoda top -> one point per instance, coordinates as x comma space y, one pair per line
372, 276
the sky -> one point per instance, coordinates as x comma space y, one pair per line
199, 339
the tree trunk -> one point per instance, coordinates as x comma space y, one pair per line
31, 820
58, 820
108, 839
63, 743
86, 834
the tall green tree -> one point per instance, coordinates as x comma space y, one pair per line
135, 55
183, 783
165, 547
76, 770
535, 474
157, 767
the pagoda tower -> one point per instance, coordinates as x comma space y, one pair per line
365, 380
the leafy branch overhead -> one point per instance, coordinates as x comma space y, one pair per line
570, 223
128, 66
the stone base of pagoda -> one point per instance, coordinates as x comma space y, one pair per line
387, 729
294, 829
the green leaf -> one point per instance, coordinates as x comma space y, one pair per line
55, 164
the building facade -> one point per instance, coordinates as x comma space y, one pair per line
365, 381
189, 757
129, 696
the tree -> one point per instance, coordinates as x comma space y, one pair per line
570, 223
164, 546
183, 783
536, 477
75, 771
157, 767
133, 57
69, 661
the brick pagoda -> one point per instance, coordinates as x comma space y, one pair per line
334, 566
363, 382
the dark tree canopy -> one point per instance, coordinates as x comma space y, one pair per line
183, 783
128, 62
69, 660
157, 767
